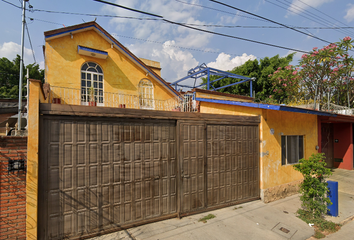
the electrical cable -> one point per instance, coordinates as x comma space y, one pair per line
215, 9
224, 4
12, 4
29, 38
323, 13
230, 36
130, 9
170, 45
240, 26
311, 16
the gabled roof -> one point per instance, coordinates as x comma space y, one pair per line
61, 32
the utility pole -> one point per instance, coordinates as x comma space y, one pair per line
21, 65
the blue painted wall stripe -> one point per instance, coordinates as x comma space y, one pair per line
267, 106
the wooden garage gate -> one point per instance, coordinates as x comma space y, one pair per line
102, 174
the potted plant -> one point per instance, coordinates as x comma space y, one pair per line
92, 98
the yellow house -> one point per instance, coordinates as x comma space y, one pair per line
85, 65
112, 145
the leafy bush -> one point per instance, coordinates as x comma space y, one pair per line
314, 187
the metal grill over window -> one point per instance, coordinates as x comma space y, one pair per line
146, 94
91, 83
292, 149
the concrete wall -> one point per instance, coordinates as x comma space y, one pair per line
343, 149
121, 75
276, 181
12, 189
35, 97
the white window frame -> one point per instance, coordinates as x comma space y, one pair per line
146, 94
93, 71
294, 150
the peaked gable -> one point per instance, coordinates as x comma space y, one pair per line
58, 33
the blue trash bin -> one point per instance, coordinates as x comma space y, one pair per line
332, 210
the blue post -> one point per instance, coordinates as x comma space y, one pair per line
251, 93
333, 196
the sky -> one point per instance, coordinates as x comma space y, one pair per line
179, 48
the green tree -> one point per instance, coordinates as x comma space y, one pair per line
9, 76
258, 69
322, 72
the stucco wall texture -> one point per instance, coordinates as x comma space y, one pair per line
274, 175
121, 75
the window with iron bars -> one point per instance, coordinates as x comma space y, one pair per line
146, 94
91, 83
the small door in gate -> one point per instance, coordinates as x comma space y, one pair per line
192, 166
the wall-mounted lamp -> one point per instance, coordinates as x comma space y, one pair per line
317, 147
71, 35
147, 74
16, 165
112, 45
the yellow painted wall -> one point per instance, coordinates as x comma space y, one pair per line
35, 96
215, 96
121, 75
272, 173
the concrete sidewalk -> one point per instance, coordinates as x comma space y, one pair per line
253, 220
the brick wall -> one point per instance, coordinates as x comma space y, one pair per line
12, 189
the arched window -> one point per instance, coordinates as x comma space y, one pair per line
146, 94
91, 84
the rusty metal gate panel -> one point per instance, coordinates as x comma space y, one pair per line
232, 163
192, 166
219, 165
99, 174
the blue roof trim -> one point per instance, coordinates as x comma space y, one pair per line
92, 50
267, 106
151, 72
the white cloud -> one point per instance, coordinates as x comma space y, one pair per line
225, 62
157, 29
298, 6
350, 13
175, 62
10, 49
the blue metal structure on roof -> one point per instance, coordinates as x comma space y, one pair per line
203, 70
267, 106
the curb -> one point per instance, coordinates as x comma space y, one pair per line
345, 221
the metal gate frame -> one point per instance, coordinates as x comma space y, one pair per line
181, 175
60, 111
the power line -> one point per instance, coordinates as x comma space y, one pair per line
29, 38
230, 36
197, 29
11, 4
311, 16
323, 13
95, 15
215, 9
32, 19
170, 45
130, 9
310, 35
241, 26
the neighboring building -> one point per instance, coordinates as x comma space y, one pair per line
112, 145
9, 108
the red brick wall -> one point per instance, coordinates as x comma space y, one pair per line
12, 189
